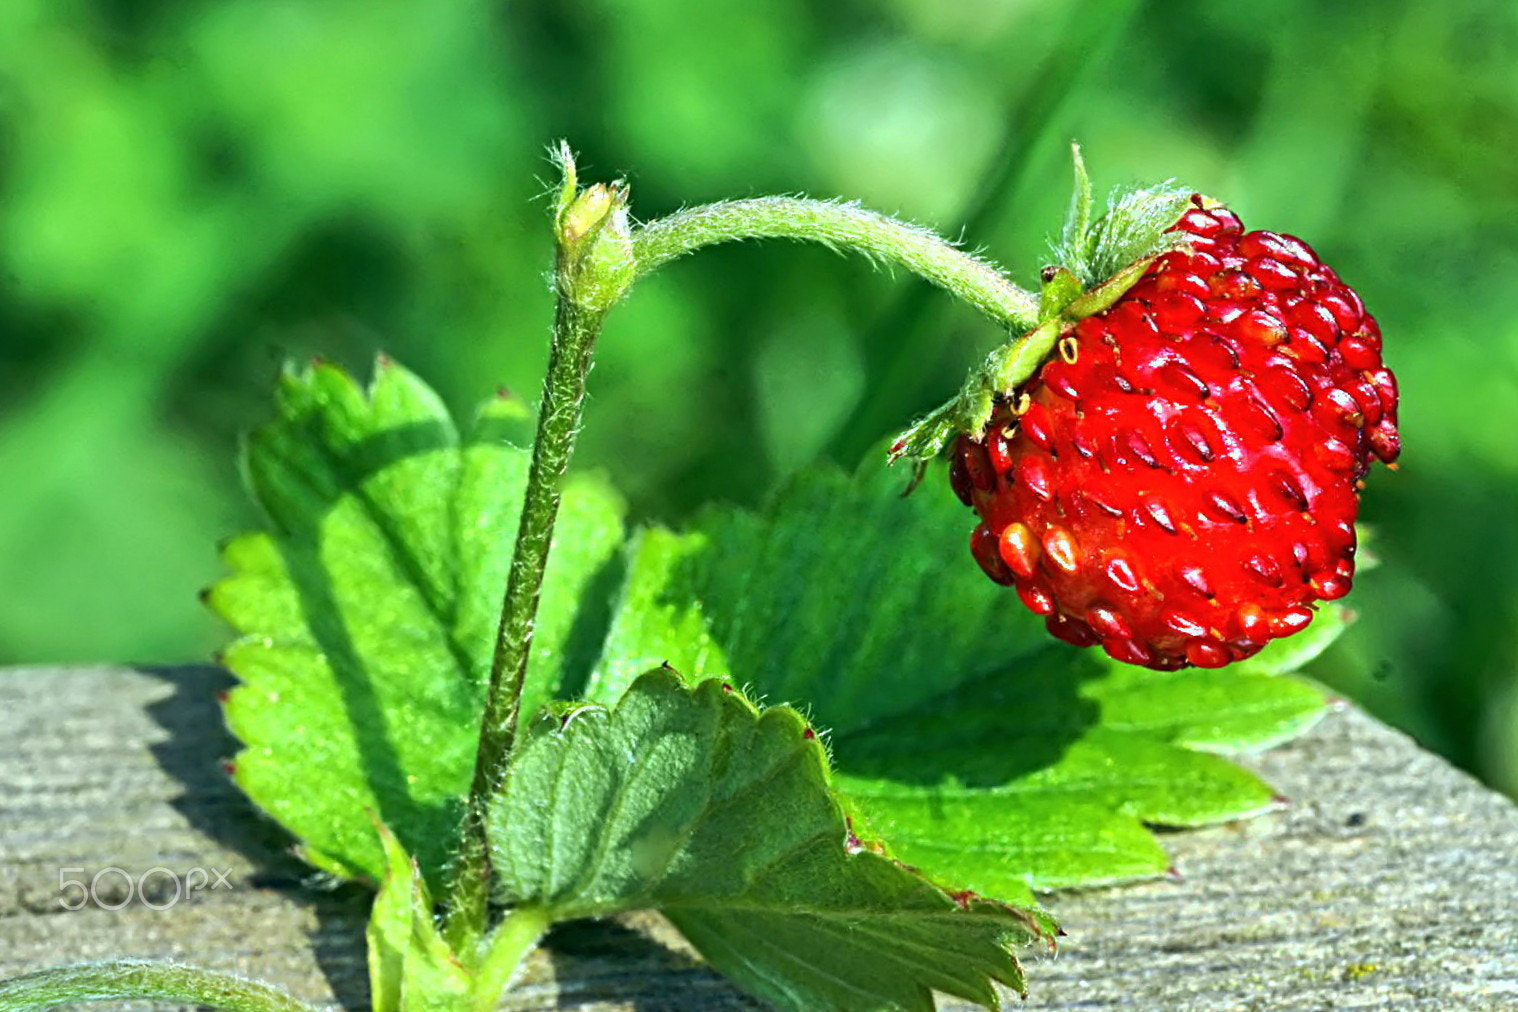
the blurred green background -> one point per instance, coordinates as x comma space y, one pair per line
193, 190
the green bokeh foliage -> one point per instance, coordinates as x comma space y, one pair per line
192, 191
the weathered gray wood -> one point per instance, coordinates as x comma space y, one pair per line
1390, 882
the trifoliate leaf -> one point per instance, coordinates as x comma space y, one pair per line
692, 801
1242, 710
994, 768
368, 609
976, 748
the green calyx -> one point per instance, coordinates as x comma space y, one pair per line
1096, 262
595, 242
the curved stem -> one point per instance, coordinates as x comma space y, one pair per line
840, 226
893, 375
130, 978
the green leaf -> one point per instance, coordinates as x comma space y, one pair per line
132, 982
1078, 218
1235, 711
967, 740
1245, 708
1026, 780
842, 596
692, 801
368, 609
411, 968
1056, 765
1004, 844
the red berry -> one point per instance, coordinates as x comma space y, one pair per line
1180, 486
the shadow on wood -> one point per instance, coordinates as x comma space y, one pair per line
1390, 882
197, 745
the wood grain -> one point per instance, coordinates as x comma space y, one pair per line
1391, 880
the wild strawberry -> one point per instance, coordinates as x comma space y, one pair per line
1179, 483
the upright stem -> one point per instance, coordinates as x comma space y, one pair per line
592, 271
558, 422
841, 226
575, 332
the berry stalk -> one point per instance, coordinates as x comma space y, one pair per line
840, 226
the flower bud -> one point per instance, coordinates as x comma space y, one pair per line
595, 244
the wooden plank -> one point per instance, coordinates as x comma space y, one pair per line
1391, 881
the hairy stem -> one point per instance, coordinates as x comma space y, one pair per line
592, 271
136, 979
558, 424
843, 227
894, 371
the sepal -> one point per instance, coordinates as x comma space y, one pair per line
1098, 261
593, 229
